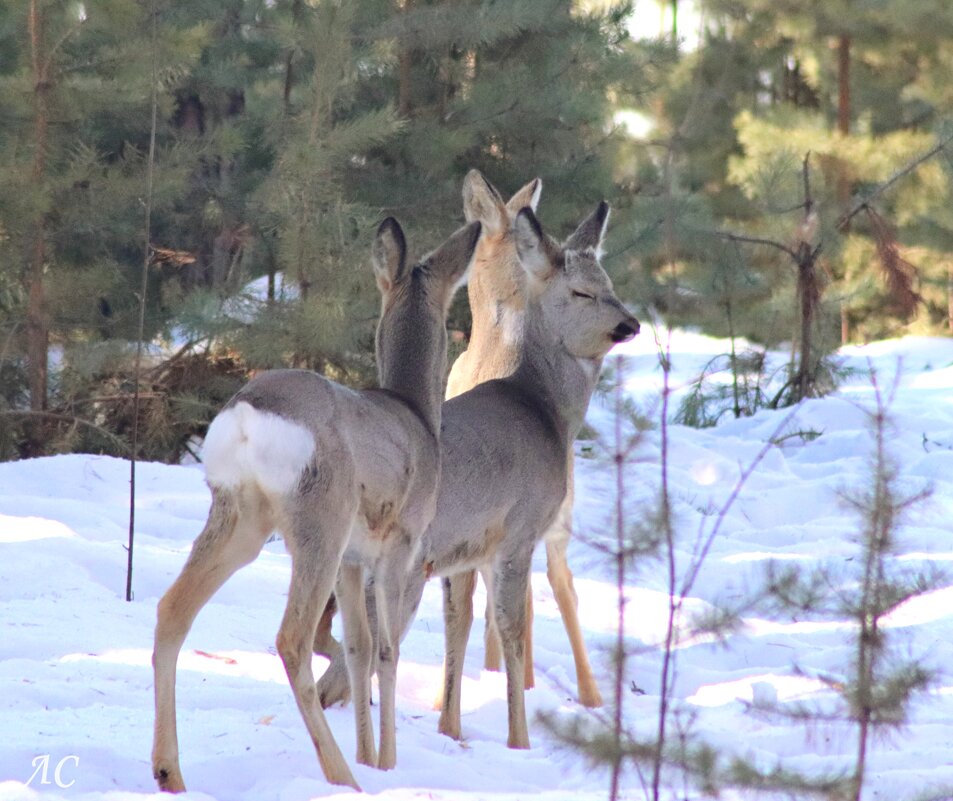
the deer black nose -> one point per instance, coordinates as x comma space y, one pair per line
623, 332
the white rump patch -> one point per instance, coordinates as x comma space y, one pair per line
246, 444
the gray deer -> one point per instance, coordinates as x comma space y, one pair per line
497, 294
350, 480
506, 446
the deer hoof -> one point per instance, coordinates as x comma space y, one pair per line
169, 779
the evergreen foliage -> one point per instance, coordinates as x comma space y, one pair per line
287, 129
851, 85
874, 693
870, 697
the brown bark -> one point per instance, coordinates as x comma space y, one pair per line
289, 61
843, 127
808, 289
37, 330
808, 295
843, 85
404, 64
949, 298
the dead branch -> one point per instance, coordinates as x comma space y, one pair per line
861, 205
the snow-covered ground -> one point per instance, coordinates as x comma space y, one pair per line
76, 681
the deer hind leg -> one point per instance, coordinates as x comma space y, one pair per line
512, 582
324, 642
529, 678
457, 620
560, 579
389, 586
333, 686
237, 527
315, 555
358, 645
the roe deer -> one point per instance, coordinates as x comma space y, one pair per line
350, 479
505, 446
497, 294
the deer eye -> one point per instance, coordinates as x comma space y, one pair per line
577, 294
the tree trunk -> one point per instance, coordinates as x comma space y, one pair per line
843, 85
807, 295
949, 298
843, 127
289, 61
37, 331
404, 64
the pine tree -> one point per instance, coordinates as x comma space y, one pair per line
835, 90
517, 90
70, 76
873, 693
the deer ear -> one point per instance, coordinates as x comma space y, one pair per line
452, 259
481, 202
389, 254
589, 234
532, 245
527, 196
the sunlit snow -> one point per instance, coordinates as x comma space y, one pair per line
75, 658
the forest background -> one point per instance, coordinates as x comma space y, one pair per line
779, 170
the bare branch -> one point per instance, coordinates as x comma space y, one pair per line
755, 240
901, 173
68, 418
147, 257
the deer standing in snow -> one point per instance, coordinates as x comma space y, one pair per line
350, 479
497, 295
506, 445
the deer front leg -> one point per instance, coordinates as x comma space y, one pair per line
560, 579
529, 678
492, 643
232, 537
492, 647
457, 619
512, 582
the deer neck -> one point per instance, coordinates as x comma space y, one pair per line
497, 297
561, 383
411, 356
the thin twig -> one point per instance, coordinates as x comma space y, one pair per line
755, 240
66, 418
666, 518
902, 172
150, 166
701, 554
620, 557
